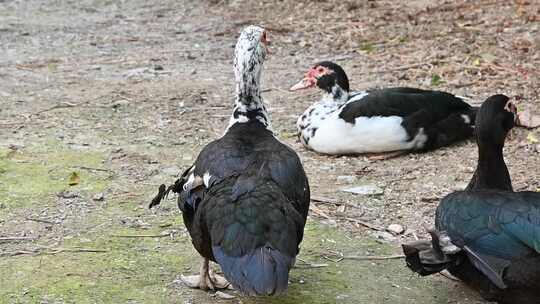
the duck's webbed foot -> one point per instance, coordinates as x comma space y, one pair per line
206, 279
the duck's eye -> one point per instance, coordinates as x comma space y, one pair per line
510, 107
320, 69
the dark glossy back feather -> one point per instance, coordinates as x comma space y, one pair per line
254, 233
502, 224
251, 218
403, 102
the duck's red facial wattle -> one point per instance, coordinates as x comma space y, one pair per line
310, 80
265, 41
264, 38
510, 107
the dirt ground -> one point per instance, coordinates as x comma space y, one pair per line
101, 101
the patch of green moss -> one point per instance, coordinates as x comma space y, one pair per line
141, 270
33, 176
132, 269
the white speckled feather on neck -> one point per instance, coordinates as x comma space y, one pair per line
249, 55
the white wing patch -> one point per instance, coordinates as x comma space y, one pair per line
195, 181
464, 98
418, 141
357, 96
188, 185
206, 179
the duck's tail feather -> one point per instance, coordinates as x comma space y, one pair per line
456, 127
163, 190
264, 271
426, 257
494, 274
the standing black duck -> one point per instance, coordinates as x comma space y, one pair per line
245, 199
487, 235
392, 119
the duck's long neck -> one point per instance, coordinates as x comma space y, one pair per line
491, 171
248, 104
336, 96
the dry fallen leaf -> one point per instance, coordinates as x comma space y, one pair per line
74, 179
531, 138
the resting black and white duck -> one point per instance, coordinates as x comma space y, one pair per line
487, 235
245, 199
383, 120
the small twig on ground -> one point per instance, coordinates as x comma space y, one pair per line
274, 89
16, 238
372, 257
39, 220
65, 104
20, 252
365, 224
93, 169
93, 228
464, 84
10, 123
141, 235
56, 106
384, 155
126, 194
429, 199
403, 67
327, 200
318, 211
338, 58
340, 257
331, 201
59, 250
333, 260
310, 265
52, 251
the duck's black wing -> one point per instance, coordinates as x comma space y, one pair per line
495, 228
403, 101
250, 145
